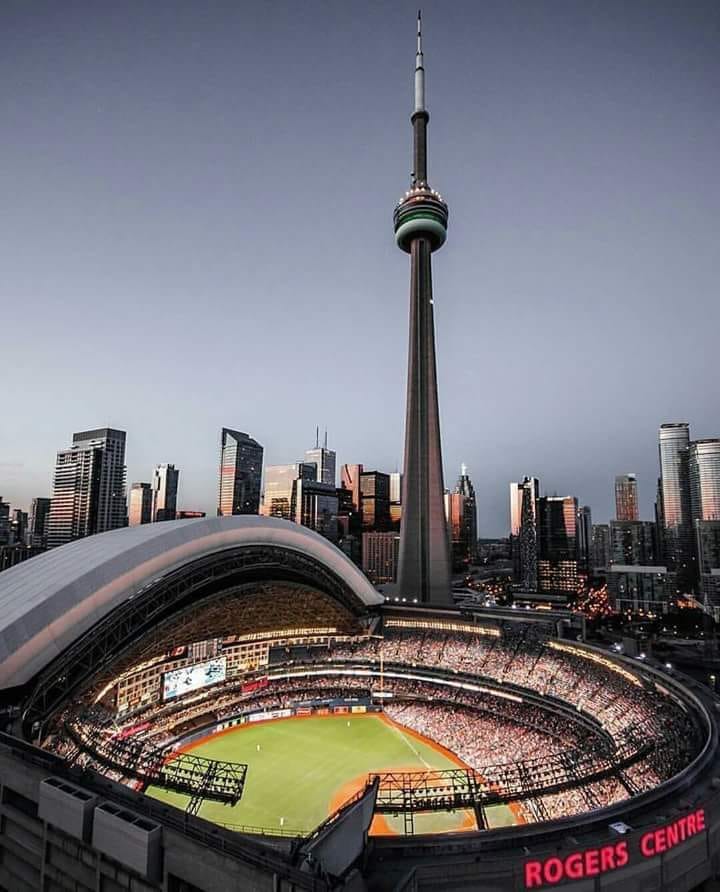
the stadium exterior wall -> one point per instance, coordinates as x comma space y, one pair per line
194, 854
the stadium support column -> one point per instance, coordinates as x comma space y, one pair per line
420, 222
480, 817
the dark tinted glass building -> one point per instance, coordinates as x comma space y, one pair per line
240, 475
375, 500
633, 542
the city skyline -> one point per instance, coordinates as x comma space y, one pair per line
556, 185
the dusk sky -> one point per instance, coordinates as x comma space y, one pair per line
196, 231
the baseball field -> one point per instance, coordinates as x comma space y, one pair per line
302, 769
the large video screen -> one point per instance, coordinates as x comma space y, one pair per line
181, 681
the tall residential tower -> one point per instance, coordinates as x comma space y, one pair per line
674, 490
626, 497
89, 487
420, 222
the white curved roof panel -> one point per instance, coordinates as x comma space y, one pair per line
49, 601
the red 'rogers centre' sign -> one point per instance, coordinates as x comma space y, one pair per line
591, 862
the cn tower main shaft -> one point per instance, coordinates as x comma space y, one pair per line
420, 228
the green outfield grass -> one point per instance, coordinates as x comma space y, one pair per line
305, 768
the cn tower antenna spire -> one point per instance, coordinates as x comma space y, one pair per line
419, 70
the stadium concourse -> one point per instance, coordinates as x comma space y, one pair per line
303, 734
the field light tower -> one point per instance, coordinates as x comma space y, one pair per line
420, 228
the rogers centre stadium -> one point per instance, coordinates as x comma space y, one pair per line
228, 703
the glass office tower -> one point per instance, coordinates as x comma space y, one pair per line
241, 460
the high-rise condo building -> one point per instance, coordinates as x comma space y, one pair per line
164, 492
704, 470
677, 533
420, 221
707, 534
39, 517
140, 504
89, 487
241, 460
626, 497
704, 473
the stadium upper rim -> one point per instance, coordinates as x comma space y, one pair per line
50, 601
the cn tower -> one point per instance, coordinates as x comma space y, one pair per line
420, 228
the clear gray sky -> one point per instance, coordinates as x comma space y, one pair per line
196, 231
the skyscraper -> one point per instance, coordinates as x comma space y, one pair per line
375, 501
164, 492
324, 461
677, 533
317, 506
39, 516
420, 222
600, 546
89, 487
280, 497
704, 474
292, 492
584, 538
350, 479
626, 497
557, 544
140, 505
396, 499
455, 517
380, 556
240, 474
633, 542
523, 532
465, 487
4, 522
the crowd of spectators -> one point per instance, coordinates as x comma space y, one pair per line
483, 730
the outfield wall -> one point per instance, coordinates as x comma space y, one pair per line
349, 706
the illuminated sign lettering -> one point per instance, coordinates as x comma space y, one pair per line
591, 862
